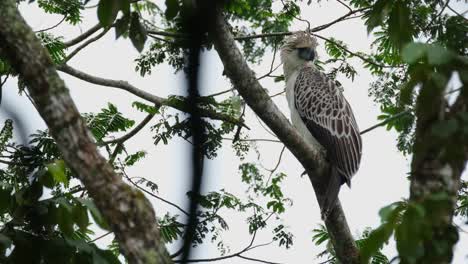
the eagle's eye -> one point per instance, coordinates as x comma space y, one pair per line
306, 53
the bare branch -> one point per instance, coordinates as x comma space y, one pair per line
355, 54
130, 134
255, 139
345, 5
130, 179
383, 123
275, 34
219, 93
100, 237
84, 45
83, 36
257, 260
457, 13
158, 101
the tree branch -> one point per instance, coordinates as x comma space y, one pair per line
52, 27
129, 214
457, 13
84, 45
309, 156
383, 123
130, 134
158, 101
83, 36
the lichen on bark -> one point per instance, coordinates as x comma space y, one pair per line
129, 214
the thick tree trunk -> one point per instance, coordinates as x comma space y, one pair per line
310, 157
128, 212
436, 170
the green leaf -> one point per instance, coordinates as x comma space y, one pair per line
124, 5
321, 235
57, 170
409, 234
5, 242
107, 11
145, 108
47, 179
65, 220
80, 216
5, 198
400, 28
376, 15
437, 55
130, 160
95, 213
413, 52
108, 120
172, 9
137, 33
121, 26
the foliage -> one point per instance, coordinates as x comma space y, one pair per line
321, 236
70, 9
107, 121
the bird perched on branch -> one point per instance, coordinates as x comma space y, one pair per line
320, 113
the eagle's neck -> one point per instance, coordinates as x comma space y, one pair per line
290, 68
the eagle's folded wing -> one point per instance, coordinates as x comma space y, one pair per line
329, 118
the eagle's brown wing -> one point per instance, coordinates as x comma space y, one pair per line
329, 118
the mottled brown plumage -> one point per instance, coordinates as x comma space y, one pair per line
320, 112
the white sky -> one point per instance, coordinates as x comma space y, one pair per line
380, 181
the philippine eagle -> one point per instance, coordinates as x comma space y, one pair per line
320, 113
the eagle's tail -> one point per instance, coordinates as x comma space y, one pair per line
331, 195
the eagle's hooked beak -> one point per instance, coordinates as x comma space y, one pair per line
307, 54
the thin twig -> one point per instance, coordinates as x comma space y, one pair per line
280, 93
130, 134
101, 236
219, 93
457, 13
158, 101
277, 164
438, 15
258, 260
345, 5
52, 27
154, 195
255, 139
385, 121
355, 54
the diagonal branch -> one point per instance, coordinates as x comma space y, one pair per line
83, 36
244, 80
84, 45
158, 101
130, 134
129, 214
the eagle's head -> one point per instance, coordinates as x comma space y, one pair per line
298, 49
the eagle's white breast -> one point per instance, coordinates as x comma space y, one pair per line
295, 118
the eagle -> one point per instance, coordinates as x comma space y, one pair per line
320, 113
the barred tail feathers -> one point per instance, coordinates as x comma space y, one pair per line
331, 195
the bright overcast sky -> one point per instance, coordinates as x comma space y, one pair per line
380, 181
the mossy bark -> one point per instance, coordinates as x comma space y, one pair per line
129, 214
